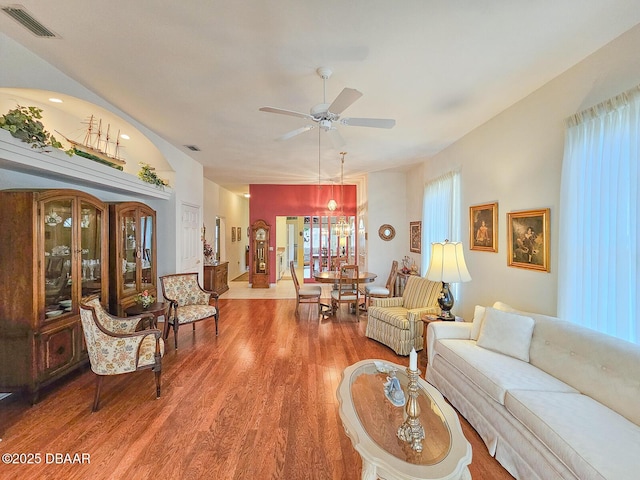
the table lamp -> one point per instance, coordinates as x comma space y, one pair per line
447, 265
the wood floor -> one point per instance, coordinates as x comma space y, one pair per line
256, 402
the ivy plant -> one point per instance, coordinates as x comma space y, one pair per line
24, 123
147, 174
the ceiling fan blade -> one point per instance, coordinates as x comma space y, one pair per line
336, 139
295, 132
347, 97
286, 112
369, 122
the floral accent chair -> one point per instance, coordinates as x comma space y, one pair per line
397, 321
115, 347
375, 291
188, 302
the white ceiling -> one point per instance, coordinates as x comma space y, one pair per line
196, 72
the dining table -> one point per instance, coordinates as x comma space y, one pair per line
331, 276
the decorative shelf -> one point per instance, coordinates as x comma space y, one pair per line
54, 163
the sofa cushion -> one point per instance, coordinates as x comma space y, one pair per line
506, 333
590, 439
396, 316
495, 373
478, 316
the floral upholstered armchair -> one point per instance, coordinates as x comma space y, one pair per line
188, 302
397, 321
115, 347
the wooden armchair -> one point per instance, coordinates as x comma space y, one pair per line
115, 347
188, 302
374, 291
347, 289
305, 293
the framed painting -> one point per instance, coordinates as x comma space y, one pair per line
233, 234
483, 227
528, 239
238, 233
415, 237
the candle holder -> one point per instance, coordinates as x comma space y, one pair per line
411, 431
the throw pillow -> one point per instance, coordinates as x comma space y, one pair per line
504, 307
506, 333
478, 316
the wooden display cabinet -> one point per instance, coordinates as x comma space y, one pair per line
54, 253
260, 249
132, 254
216, 277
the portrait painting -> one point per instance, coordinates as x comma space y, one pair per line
483, 227
415, 237
528, 239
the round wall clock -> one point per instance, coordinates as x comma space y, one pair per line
386, 232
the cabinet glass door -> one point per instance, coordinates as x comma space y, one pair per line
57, 261
91, 248
128, 250
146, 251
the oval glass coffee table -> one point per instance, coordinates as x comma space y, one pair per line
371, 421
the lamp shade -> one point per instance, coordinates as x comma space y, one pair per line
447, 263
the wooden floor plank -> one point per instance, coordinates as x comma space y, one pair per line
257, 401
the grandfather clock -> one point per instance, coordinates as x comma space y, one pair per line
260, 248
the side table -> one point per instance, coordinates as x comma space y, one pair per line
157, 309
427, 318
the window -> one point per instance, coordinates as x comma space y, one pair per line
599, 200
440, 215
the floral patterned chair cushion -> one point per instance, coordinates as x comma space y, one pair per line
114, 347
189, 302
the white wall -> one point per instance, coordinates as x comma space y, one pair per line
516, 159
234, 210
386, 203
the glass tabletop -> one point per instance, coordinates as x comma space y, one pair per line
381, 419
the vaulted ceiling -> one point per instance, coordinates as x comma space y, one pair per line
197, 72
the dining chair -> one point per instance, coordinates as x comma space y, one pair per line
375, 291
115, 347
188, 302
347, 290
305, 293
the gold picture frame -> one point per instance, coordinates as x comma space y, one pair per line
483, 227
528, 239
233, 234
415, 237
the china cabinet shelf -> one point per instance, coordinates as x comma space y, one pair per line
54, 163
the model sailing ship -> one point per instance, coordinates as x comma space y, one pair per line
96, 146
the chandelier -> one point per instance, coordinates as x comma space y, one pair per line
342, 228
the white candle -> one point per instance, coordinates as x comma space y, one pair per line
413, 360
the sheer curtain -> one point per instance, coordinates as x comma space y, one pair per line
440, 215
598, 262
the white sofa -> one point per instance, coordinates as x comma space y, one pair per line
562, 404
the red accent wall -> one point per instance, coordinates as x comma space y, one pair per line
269, 201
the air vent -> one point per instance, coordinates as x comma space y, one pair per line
24, 18
193, 148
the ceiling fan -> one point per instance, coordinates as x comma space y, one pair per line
326, 115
